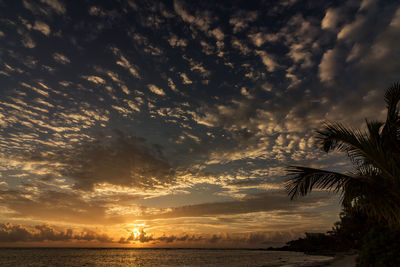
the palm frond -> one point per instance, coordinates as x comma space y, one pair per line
361, 147
391, 131
374, 130
337, 136
304, 180
392, 98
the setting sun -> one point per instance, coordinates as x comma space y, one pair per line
136, 233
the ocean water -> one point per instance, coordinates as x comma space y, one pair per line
153, 257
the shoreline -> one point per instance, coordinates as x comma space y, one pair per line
339, 260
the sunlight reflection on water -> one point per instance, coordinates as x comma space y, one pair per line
152, 257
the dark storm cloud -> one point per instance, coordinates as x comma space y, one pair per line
10, 233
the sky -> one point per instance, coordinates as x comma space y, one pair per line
170, 123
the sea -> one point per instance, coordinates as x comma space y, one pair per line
154, 257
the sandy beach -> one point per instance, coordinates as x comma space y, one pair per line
344, 261
339, 260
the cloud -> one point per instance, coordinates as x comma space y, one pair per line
46, 199
253, 238
248, 239
172, 85
61, 58
125, 112
96, 11
56, 206
267, 60
56, 5
175, 41
28, 42
123, 62
329, 65
94, 79
260, 38
232, 116
331, 19
365, 4
352, 29
37, 90
156, 90
241, 46
115, 78
196, 66
10, 233
241, 20
121, 160
147, 45
202, 20
270, 201
13, 233
218, 34
42, 27
354, 53
386, 46
185, 78
358, 51
300, 54
132, 105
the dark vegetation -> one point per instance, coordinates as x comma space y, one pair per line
370, 193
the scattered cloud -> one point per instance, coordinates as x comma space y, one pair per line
175, 41
260, 38
28, 42
156, 90
241, 20
201, 20
94, 79
42, 27
56, 5
185, 79
11, 233
267, 60
61, 58
331, 19
123, 62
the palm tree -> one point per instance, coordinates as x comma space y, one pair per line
374, 186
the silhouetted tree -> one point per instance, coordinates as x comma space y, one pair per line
373, 189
